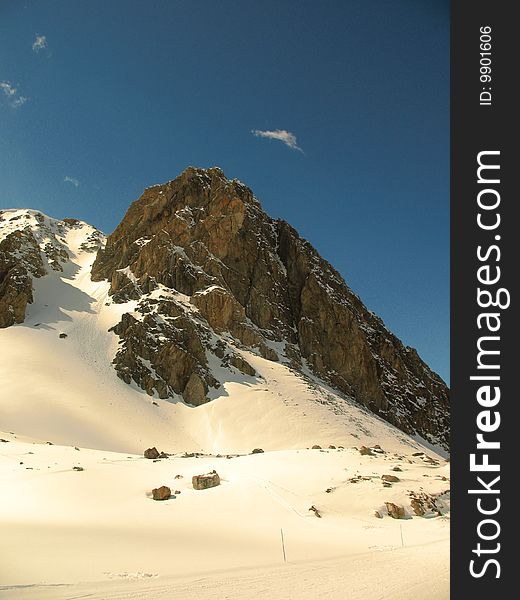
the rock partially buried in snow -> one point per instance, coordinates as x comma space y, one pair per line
257, 451
390, 478
396, 511
418, 507
423, 504
151, 453
364, 451
161, 493
203, 482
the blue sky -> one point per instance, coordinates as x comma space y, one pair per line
101, 99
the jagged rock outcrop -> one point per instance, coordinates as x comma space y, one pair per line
396, 511
211, 272
20, 261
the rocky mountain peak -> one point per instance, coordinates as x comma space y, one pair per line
212, 273
196, 195
205, 280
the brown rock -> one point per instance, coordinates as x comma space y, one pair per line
417, 507
203, 482
390, 478
161, 493
242, 365
396, 511
423, 503
151, 453
195, 390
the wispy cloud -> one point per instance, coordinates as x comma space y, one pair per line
20, 101
72, 180
13, 97
40, 43
282, 135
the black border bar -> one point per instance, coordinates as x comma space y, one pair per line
487, 124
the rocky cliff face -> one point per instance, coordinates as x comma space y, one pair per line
24, 254
31, 245
210, 272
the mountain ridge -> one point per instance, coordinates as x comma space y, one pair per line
212, 276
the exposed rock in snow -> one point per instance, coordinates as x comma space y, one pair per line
151, 453
203, 482
161, 493
396, 511
31, 245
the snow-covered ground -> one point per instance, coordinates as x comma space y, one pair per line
397, 575
99, 525
96, 533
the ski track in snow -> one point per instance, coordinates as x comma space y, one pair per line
358, 578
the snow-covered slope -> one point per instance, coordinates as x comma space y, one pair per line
76, 515
63, 526
65, 389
